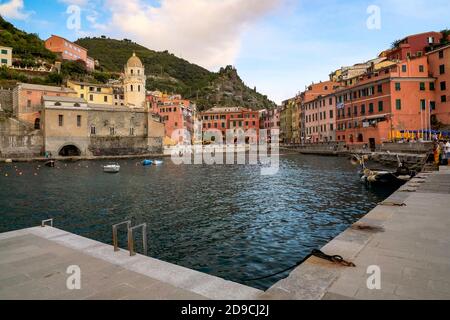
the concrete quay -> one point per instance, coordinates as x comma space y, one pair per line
407, 236
34, 264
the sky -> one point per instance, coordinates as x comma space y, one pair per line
278, 46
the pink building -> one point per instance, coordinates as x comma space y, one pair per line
175, 112
270, 120
318, 112
320, 119
27, 101
69, 50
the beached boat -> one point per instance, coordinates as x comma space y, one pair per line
111, 168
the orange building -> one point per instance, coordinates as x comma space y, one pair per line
175, 112
439, 64
384, 103
230, 118
69, 50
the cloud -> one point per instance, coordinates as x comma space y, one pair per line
206, 32
80, 3
14, 9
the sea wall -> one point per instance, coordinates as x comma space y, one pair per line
6, 100
19, 141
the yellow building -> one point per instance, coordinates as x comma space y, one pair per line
286, 121
92, 93
6, 56
296, 110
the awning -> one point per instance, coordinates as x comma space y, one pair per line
377, 116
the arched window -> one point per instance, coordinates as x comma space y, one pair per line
58, 104
139, 88
131, 71
139, 71
131, 88
76, 104
37, 123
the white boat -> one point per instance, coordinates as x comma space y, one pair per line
158, 162
111, 168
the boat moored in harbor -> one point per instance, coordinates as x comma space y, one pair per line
111, 168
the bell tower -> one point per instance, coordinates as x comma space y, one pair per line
134, 83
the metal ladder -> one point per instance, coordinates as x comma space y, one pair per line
130, 237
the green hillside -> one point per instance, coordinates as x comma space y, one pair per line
170, 74
27, 46
165, 71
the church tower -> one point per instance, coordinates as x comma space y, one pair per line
134, 83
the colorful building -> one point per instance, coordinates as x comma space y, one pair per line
69, 51
286, 121
27, 101
230, 118
92, 93
6, 56
176, 114
73, 125
320, 119
413, 46
384, 103
439, 68
318, 114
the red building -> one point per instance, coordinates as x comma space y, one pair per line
384, 103
223, 119
69, 50
413, 46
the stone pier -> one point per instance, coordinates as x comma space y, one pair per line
34, 264
407, 237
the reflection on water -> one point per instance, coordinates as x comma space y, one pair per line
227, 220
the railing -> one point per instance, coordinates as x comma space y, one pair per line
44, 223
130, 237
114, 233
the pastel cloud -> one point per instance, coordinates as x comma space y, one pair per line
13, 9
206, 32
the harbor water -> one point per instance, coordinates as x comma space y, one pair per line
225, 220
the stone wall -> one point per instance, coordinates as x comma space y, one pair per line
6, 100
118, 146
19, 141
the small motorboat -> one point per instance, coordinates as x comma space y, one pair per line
50, 163
111, 168
158, 162
147, 162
